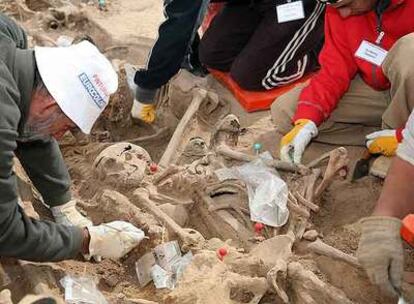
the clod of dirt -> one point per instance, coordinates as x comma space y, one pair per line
111, 281
122, 165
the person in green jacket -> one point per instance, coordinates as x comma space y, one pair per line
44, 93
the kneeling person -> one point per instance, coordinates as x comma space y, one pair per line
363, 84
45, 92
260, 45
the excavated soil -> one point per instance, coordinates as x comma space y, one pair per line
125, 32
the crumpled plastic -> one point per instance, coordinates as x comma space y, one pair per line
81, 290
169, 266
266, 190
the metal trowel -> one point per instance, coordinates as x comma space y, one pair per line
362, 166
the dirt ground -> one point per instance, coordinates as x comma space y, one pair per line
125, 32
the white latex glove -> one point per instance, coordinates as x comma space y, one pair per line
114, 240
68, 215
293, 144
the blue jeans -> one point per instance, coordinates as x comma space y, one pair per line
173, 46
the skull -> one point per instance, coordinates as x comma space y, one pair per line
226, 131
122, 165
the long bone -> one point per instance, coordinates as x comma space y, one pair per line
200, 95
190, 238
322, 248
226, 151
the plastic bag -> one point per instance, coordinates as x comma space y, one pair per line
143, 268
81, 290
167, 254
170, 265
162, 278
266, 190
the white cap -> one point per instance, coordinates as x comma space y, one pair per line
79, 78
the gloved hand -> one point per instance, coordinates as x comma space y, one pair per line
383, 142
68, 215
144, 112
294, 143
380, 252
139, 111
114, 240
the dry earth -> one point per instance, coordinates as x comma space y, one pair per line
125, 32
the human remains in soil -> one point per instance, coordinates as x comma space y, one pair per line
129, 191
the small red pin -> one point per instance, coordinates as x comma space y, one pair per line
258, 228
222, 252
153, 167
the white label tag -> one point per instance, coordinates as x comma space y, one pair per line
371, 53
290, 11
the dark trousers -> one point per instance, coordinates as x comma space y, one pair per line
247, 41
173, 46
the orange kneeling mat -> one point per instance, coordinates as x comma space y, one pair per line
253, 101
407, 229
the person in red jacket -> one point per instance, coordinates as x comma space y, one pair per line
363, 84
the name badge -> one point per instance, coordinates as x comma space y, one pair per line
290, 11
371, 52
